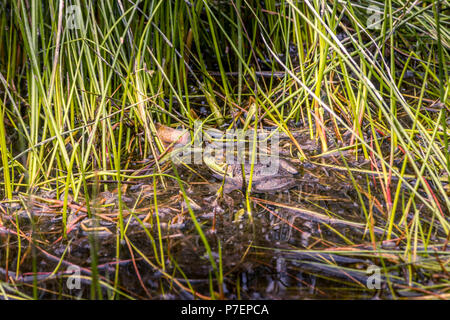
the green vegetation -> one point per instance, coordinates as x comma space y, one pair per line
82, 88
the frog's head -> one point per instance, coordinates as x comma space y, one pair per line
215, 159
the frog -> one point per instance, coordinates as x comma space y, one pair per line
268, 172
272, 175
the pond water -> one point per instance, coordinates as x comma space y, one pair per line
309, 241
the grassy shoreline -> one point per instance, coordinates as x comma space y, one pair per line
83, 85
